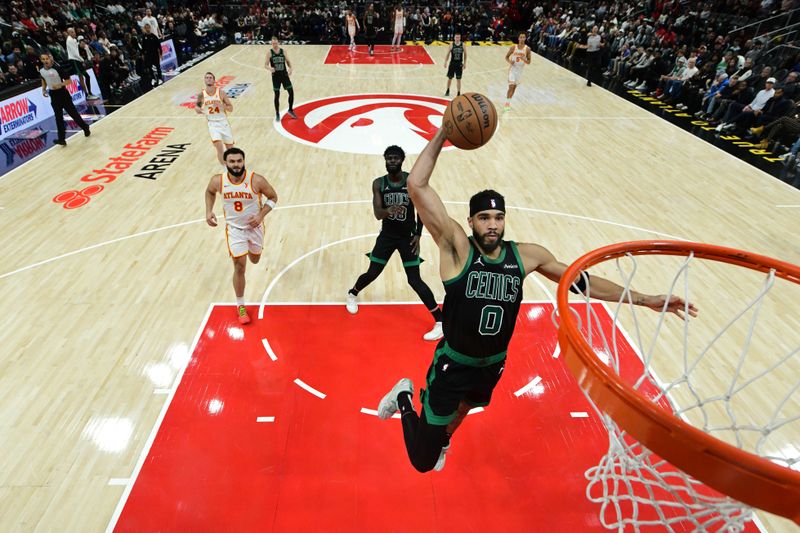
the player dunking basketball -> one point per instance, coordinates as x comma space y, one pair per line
278, 63
399, 24
517, 57
458, 54
352, 28
399, 231
215, 105
244, 216
483, 276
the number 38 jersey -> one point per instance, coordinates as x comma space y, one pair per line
239, 202
481, 303
404, 222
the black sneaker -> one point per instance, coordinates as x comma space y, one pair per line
447, 92
291, 114
60, 141
86, 131
277, 117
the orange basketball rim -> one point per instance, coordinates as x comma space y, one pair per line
743, 476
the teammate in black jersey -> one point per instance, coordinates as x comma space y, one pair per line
458, 54
483, 277
278, 63
370, 22
401, 231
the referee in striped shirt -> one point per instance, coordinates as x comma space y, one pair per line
60, 99
594, 42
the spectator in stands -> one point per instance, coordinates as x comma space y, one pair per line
711, 96
14, 76
737, 112
759, 82
148, 18
640, 70
791, 85
76, 62
740, 93
695, 88
675, 84
113, 73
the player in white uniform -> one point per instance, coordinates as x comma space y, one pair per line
244, 216
352, 26
399, 26
215, 105
517, 57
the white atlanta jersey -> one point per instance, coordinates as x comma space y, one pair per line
239, 202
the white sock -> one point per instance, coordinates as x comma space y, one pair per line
240, 300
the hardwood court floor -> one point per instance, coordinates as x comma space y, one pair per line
101, 302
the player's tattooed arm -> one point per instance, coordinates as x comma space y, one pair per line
446, 232
198, 105
541, 260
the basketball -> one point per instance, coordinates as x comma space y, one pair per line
469, 121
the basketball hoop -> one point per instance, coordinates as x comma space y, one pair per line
679, 454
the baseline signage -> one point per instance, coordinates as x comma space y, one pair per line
169, 59
29, 108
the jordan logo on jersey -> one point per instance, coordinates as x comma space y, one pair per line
479, 261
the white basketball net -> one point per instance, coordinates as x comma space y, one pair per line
634, 487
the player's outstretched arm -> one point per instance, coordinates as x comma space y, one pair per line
447, 233
211, 197
538, 258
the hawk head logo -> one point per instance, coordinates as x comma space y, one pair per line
366, 123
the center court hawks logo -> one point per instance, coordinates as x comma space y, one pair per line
366, 123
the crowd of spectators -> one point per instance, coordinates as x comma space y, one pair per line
691, 56
684, 52
323, 22
112, 39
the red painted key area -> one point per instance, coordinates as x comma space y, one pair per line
323, 465
381, 55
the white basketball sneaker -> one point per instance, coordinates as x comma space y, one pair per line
442, 456
352, 306
388, 405
435, 334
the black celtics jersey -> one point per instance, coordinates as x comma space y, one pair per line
404, 223
369, 22
277, 61
481, 303
458, 53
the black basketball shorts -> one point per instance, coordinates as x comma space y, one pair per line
454, 69
449, 382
